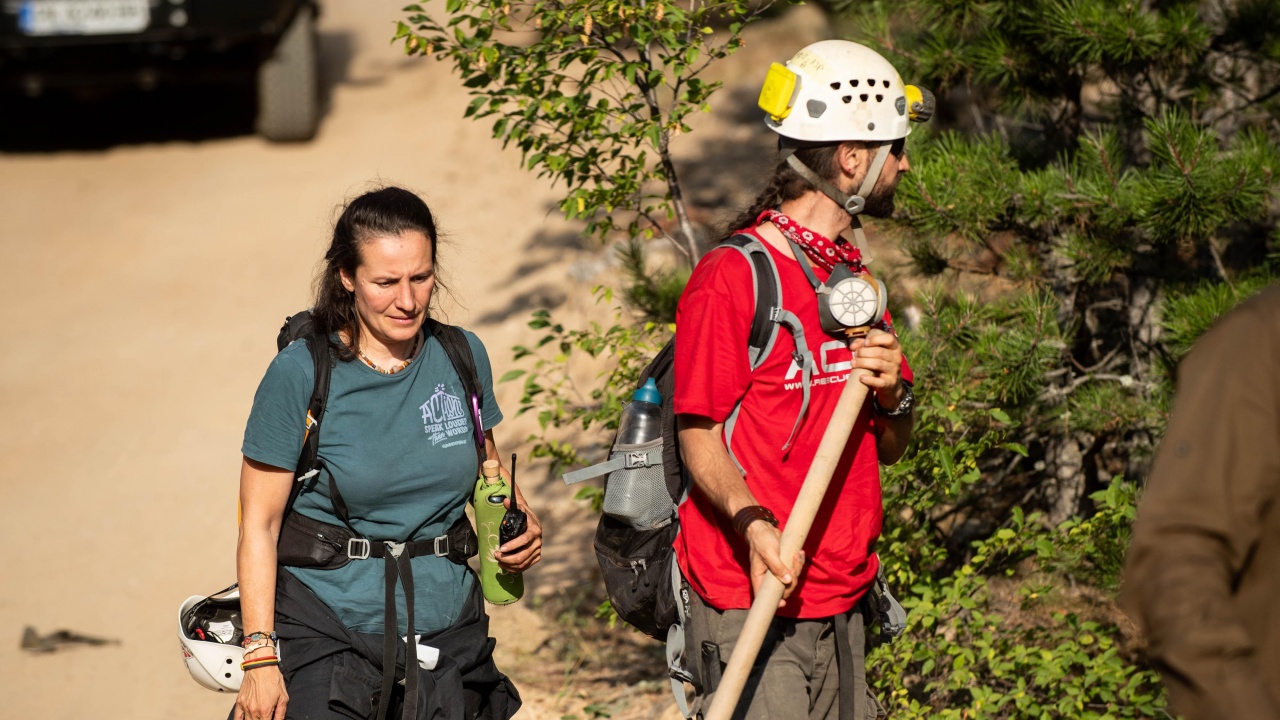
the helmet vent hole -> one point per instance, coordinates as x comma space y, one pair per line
863, 97
871, 126
879, 98
229, 661
871, 82
847, 99
835, 86
853, 83
228, 676
886, 83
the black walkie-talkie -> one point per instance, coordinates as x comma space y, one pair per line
514, 522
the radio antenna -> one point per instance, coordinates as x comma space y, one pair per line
513, 479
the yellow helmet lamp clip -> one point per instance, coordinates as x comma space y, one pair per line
920, 103
778, 95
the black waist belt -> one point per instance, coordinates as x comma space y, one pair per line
309, 543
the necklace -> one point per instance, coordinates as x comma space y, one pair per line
396, 369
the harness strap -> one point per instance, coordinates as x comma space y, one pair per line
411, 640
445, 546
730, 423
804, 358
844, 667
396, 568
676, 667
388, 637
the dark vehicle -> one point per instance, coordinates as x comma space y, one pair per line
95, 46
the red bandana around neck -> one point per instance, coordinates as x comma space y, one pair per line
822, 252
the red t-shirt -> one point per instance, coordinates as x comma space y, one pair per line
712, 374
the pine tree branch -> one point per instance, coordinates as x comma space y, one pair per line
1217, 262
1104, 362
1061, 391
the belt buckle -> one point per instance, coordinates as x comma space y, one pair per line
442, 546
358, 549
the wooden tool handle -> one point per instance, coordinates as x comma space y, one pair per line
812, 492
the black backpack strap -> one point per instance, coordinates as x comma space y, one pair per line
768, 295
308, 460
458, 349
769, 314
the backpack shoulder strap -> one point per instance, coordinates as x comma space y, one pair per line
458, 349
767, 299
769, 314
308, 466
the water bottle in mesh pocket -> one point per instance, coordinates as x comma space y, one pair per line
635, 492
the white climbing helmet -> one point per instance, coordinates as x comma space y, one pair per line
837, 90
210, 631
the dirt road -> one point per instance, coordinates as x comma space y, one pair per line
145, 284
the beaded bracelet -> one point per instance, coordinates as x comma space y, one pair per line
248, 665
255, 636
258, 646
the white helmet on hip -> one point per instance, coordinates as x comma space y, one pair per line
837, 90
210, 630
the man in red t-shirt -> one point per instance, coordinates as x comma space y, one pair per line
843, 115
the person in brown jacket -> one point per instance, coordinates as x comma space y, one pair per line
1202, 577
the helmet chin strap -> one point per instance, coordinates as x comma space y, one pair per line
852, 204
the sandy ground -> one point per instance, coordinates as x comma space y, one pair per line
146, 280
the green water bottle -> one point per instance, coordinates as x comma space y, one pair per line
499, 587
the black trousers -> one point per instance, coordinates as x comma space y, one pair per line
332, 672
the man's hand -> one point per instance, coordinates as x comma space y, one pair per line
881, 354
765, 543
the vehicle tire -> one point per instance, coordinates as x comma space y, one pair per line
288, 88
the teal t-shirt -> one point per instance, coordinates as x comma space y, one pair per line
401, 449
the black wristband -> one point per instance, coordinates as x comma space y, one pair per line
904, 407
747, 515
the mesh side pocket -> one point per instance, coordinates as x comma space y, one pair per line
637, 494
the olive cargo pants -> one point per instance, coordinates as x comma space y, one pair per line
795, 675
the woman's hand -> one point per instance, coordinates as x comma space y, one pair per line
525, 551
262, 694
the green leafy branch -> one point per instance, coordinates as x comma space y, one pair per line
592, 92
551, 388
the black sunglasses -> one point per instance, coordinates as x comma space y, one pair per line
898, 147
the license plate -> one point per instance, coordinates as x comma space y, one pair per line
83, 17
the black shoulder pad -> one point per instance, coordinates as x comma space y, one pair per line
766, 299
296, 326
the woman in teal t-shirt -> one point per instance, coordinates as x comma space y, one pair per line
399, 441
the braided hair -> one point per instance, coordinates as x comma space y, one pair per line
786, 184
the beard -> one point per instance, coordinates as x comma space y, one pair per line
880, 202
